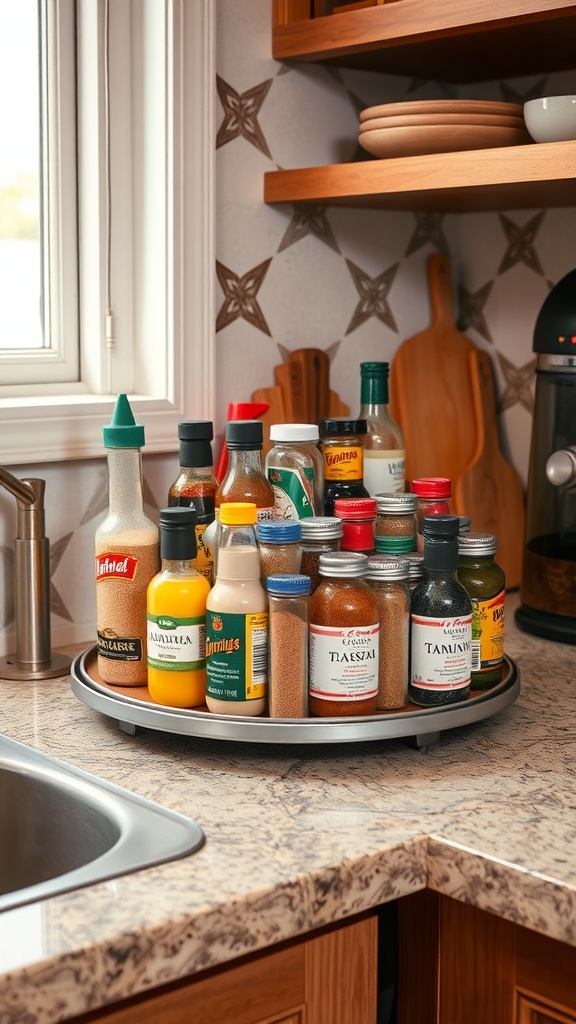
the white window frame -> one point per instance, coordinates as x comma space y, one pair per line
162, 86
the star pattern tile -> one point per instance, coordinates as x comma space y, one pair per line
373, 292
512, 95
471, 306
241, 114
308, 220
521, 241
330, 351
240, 293
57, 604
519, 384
428, 230
98, 503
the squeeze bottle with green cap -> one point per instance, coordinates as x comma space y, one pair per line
127, 556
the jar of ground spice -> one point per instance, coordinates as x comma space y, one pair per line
343, 633
433, 494
416, 571
320, 536
279, 546
396, 516
358, 517
387, 578
288, 645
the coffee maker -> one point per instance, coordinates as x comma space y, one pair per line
548, 584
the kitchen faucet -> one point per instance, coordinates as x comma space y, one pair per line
33, 658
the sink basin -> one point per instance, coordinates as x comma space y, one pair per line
63, 828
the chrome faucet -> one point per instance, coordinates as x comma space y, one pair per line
33, 658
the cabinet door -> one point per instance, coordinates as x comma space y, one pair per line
532, 1011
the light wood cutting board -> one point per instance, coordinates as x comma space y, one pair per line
431, 395
490, 490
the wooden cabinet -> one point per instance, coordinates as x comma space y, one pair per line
449, 40
329, 977
458, 963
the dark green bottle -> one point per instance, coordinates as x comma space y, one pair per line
485, 583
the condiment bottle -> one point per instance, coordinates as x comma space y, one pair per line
485, 583
279, 547
245, 480
344, 632
342, 447
384, 452
320, 536
295, 469
288, 645
396, 516
433, 494
177, 616
196, 485
441, 621
237, 618
358, 517
386, 577
127, 556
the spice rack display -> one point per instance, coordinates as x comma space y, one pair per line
462, 41
132, 708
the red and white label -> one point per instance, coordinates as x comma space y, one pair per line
344, 662
111, 566
441, 652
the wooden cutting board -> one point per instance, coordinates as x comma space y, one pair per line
431, 395
315, 366
490, 490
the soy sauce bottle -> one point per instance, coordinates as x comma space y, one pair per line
440, 621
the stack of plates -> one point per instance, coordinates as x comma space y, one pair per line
441, 126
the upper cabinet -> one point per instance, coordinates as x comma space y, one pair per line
448, 40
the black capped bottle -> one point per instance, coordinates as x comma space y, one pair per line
196, 485
440, 621
342, 447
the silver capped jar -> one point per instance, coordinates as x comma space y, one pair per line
396, 515
288, 645
321, 535
387, 577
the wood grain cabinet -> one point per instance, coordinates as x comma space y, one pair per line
447, 40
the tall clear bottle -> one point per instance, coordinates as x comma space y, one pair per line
384, 453
127, 556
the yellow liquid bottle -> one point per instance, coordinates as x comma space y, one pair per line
176, 616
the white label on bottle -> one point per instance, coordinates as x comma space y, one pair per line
178, 644
441, 652
384, 471
344, 662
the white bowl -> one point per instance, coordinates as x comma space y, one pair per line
551, 118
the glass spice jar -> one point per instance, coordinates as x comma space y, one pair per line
288, 602
433, 494
387, 578
358, 517
396, 516
295, 468
320, 536
484, 580
279, 546
344, 631
342, 447
416, 570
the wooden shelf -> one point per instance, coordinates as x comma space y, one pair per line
446, 40
519, 177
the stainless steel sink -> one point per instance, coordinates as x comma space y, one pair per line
61, 828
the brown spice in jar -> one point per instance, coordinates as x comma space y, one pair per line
279, 558
288, 678
310, 562
394, 613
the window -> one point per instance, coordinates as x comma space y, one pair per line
159, 180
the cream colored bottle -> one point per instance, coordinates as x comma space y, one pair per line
237, 619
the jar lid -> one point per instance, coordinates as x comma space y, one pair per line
415, 565
337, 427
294, 432
343, 563
196, 430
321, 528
288, 583
374, 369
246, 434
387, 567
431, 487
279, 531
477, 544
442, 527
464, 524
394, 545
398, 504
355, 508
237, 513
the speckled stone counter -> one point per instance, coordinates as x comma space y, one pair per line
299, 837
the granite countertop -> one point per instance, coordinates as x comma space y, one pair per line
299, 837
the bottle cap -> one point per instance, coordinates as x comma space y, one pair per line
397, 504
237, 513
387, 567
178, 533
279, 531
288, 583
443, 527
477, 544
464, 524
196, 430
355, 508
415, 565
431, 487
320, 528
244, 434
123, 431
394, 545
374, 369
294, 432
343, 563
334, 428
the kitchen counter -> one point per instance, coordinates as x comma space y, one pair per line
298, 837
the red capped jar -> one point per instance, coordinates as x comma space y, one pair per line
433, 493
358, 517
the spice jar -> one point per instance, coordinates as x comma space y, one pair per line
320, 536
344, 631
295, 468
396, 516
395, 545
485, 583
416, 571
342, 447
279, 547
196, 485
433, 493
288, 645
387, 578
358, 517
